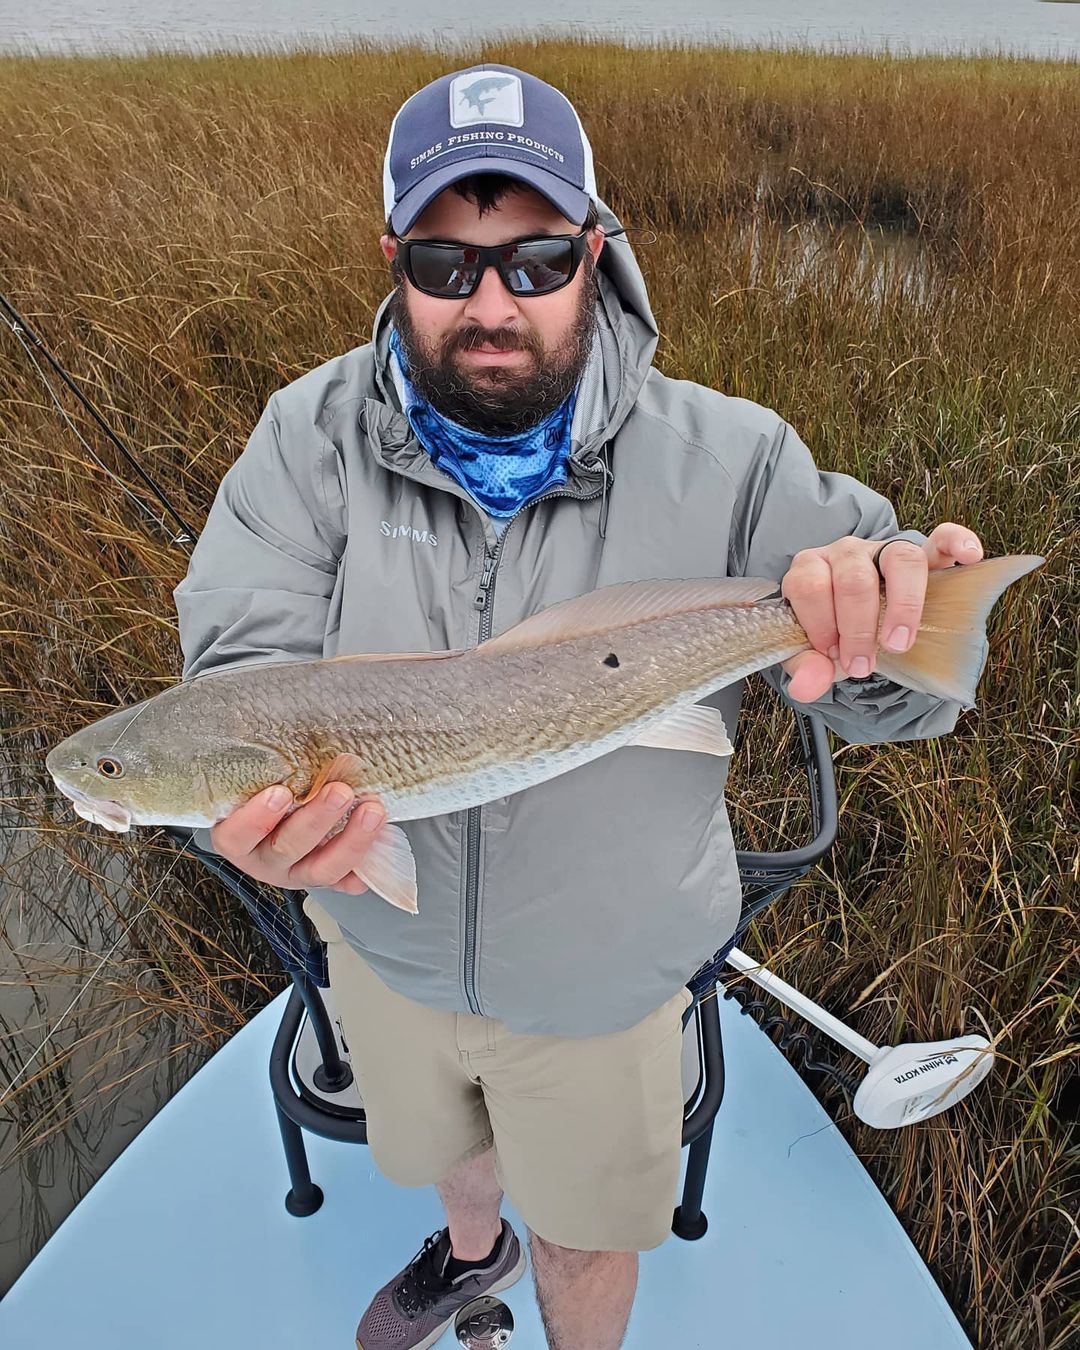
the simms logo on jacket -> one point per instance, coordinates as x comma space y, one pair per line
407, 532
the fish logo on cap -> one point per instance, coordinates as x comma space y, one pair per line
486, 96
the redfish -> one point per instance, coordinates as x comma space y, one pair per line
431, 732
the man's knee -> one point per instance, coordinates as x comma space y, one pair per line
569, 1259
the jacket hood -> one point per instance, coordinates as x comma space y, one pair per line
626, 327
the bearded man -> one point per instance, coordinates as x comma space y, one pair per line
503, 443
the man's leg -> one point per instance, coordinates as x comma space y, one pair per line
471, 1196
588, 1133
585, 1297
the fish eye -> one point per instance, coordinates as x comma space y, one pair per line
110, 768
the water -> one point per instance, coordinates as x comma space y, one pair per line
110, 1065
1031, 27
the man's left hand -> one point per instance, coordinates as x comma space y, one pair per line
835, 592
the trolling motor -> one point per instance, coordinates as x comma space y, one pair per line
905, 1083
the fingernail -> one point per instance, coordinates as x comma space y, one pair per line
898, 640
277, 797
834, 653
860, 667
971, 544
370, 818
338, 796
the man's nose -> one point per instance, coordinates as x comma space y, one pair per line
491, 305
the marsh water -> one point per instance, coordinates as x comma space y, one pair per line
1030, 27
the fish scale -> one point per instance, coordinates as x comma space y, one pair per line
477, 713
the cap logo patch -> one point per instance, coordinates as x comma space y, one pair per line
486, 96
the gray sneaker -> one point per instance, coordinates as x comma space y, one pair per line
412, 1310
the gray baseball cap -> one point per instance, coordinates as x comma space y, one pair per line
486, 119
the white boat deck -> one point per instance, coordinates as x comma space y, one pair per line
185, 1244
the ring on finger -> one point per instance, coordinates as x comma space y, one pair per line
881, 550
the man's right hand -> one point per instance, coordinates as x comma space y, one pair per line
291, 853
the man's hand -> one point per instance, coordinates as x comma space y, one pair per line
297, 853
835, 592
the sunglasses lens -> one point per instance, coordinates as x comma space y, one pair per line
537, 266
443, 271
530, 268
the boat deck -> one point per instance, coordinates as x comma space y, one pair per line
185, 1241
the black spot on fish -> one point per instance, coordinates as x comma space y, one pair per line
611, 660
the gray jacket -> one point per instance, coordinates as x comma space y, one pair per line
576, 907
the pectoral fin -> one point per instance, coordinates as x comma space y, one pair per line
693, 728
343, 768
389, 868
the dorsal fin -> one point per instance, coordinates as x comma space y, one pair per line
395, 656
325, 661
626, 603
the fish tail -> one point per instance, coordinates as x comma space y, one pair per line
946, 657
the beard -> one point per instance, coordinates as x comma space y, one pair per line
498, 400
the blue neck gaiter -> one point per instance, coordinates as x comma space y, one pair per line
501, 473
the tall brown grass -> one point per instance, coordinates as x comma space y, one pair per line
885, 250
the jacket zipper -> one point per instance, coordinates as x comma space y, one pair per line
484, 602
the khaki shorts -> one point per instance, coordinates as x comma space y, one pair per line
587, 1130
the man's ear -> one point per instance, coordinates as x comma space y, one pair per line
595, 240
388, 246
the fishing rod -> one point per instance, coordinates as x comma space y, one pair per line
19, 326
904, 1084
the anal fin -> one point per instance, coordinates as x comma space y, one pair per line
692, 728
389, 868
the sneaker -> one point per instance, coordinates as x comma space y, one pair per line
412, 1310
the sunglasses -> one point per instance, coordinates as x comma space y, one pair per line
452, 271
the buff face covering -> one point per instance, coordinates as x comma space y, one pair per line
501, 473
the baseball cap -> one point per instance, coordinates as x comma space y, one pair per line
486, 119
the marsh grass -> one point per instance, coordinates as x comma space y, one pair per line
885, 250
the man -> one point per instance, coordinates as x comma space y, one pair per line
504, 443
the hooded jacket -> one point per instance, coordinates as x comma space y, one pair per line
577, 906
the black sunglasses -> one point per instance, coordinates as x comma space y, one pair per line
452, 271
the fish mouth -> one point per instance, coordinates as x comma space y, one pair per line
98, 811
